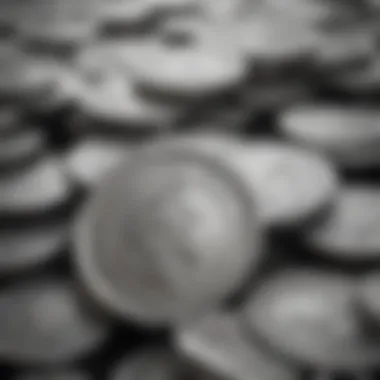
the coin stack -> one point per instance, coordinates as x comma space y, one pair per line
226, 154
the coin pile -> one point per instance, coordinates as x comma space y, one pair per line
189, 189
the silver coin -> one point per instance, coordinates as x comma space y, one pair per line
310, 317
42, 322
350, 232
152, 363
189, 73
218, 343
159, 270
350, 135
21, 147
27, 248
290, 184
91, 160
62, 22
108, 96
51, 375
41, 189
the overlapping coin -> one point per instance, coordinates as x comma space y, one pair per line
43, 322
218, 344
310, 316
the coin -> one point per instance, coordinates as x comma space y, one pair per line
179, 240
50, 375
42, 190
21, 148
58, 22
188, 74
42, 322
90, 160
29, 247
348, 134
309, 316
149, 363
119, 18
218, 343
291, 185
350, 231
109, 99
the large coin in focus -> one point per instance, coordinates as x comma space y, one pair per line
310, 316
171, 232
42, 322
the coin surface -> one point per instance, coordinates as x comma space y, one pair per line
290, 184
350, 232
90, 160
188, 73
181, 237
41, 190
350, 135
148, 364
369, 298
109, 98
310, 317
42, 322
20, 148
218, 343
26, 248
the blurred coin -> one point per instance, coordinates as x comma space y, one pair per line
365, 80
109, 99
21, 148
350, 232
91, 160
50, 375
66, 23
167, 199
291, 185
310, 317
152, 363
349, 134
174, 7
188, 73
348, 49
43, 189
26, 248
122, 18
218, 343
42, 322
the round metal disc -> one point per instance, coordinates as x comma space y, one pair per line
21, 148
349, 134
154, 363
291, 184
42, 189
218, 343
23, 249
189, 72
176, 235
42, 322
310, 316
351, 230
90, 161
109, 98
